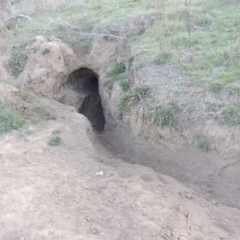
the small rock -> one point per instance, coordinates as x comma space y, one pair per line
214, 202
99, 173
189, 196
182, 238
95, 231
165, 195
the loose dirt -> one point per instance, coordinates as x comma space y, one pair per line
205, 172
82, 190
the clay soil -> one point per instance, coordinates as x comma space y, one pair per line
82, 189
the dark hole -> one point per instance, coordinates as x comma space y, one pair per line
85, 82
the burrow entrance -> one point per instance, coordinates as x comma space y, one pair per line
85, 82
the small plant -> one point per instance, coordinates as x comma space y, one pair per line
55, 132
231, 116
118, 78
26, 95
165, 117
117, 70
6, 81
202, 143
163, 58
125, 85
10, 118
130, 61
132, 97
142, 31
46, 50
45, 114
55, 141
215, 88
18, 60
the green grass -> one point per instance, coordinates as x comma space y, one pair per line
230, 116
208, 52
118, 74
44, 114
18, 60
45, 51
55, 141
55, 132
27, 95
118, 69
132, 97
210, 55
164, 116
5, 81
10, 118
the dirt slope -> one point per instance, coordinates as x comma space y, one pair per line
79, 190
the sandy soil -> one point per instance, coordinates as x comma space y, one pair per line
82, 190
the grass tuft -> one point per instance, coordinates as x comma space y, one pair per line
55, 141
18, 60
10, 118
132, 97
231, 116
202, 143
117, 70
165, 116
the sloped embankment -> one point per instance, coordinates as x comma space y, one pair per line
165, 121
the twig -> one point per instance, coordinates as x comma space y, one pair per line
18, 16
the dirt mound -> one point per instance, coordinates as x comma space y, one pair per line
80, 81
48, 66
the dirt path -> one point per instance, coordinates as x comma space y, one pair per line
216, 178
80, 190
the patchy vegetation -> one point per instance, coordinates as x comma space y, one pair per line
231, 116
18, 60
164, 116
202, 143
55, 141
132, 97
10, 118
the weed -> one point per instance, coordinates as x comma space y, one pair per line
163, 58
142, 31
215, 87
117, 70
6, 81
231, 116
46, 50
130, 62
202, 143
55, 141
55, 132
18, 60
27, 95
10, 118
125, 84
45, 114
165, 116
132, 97
119, 78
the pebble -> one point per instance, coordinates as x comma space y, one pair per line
214, 202
182, 238
99, 173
